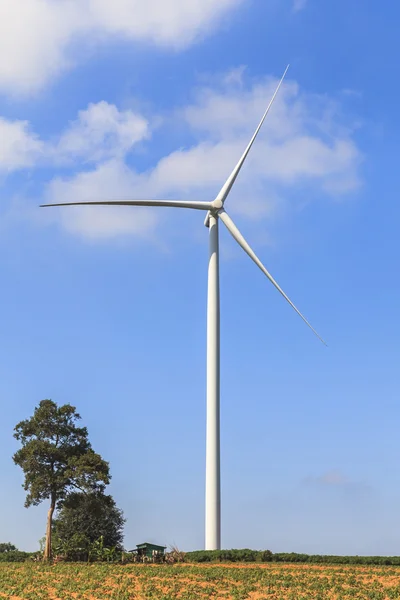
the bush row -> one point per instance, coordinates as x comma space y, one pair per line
246, 555
16, 556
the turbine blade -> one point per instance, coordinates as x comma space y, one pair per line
234, 231
168, 203
232, 177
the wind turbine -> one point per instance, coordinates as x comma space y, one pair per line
215, 213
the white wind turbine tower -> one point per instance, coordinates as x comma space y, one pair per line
215, 213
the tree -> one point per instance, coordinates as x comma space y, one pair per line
56, 458
7, 547
83, 519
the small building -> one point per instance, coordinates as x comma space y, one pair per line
150, 550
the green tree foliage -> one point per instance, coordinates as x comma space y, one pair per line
15, 556
201, 556
56, 457
244, 555
7, 547
83, 520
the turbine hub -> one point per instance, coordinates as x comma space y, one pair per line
217, 204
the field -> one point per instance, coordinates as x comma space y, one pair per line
188, 582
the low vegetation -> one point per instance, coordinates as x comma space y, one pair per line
80, 548
263, 556
16, 556
272, 581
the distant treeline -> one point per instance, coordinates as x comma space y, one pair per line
16, 556
245, 555
264, 556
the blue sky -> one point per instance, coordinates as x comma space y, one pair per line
105, 309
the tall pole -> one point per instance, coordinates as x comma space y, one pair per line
213, 477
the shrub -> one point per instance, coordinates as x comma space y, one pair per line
234, 555
266, 556
173, 556
246, 555
15, 556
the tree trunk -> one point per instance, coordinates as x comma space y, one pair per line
47, 548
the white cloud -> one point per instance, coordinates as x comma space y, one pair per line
303, 149
330, 478
335, 479
235, 76
110, 180
174, 23
101, 132
302, 143
19, 147
33, 38
38, 38
299, 5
